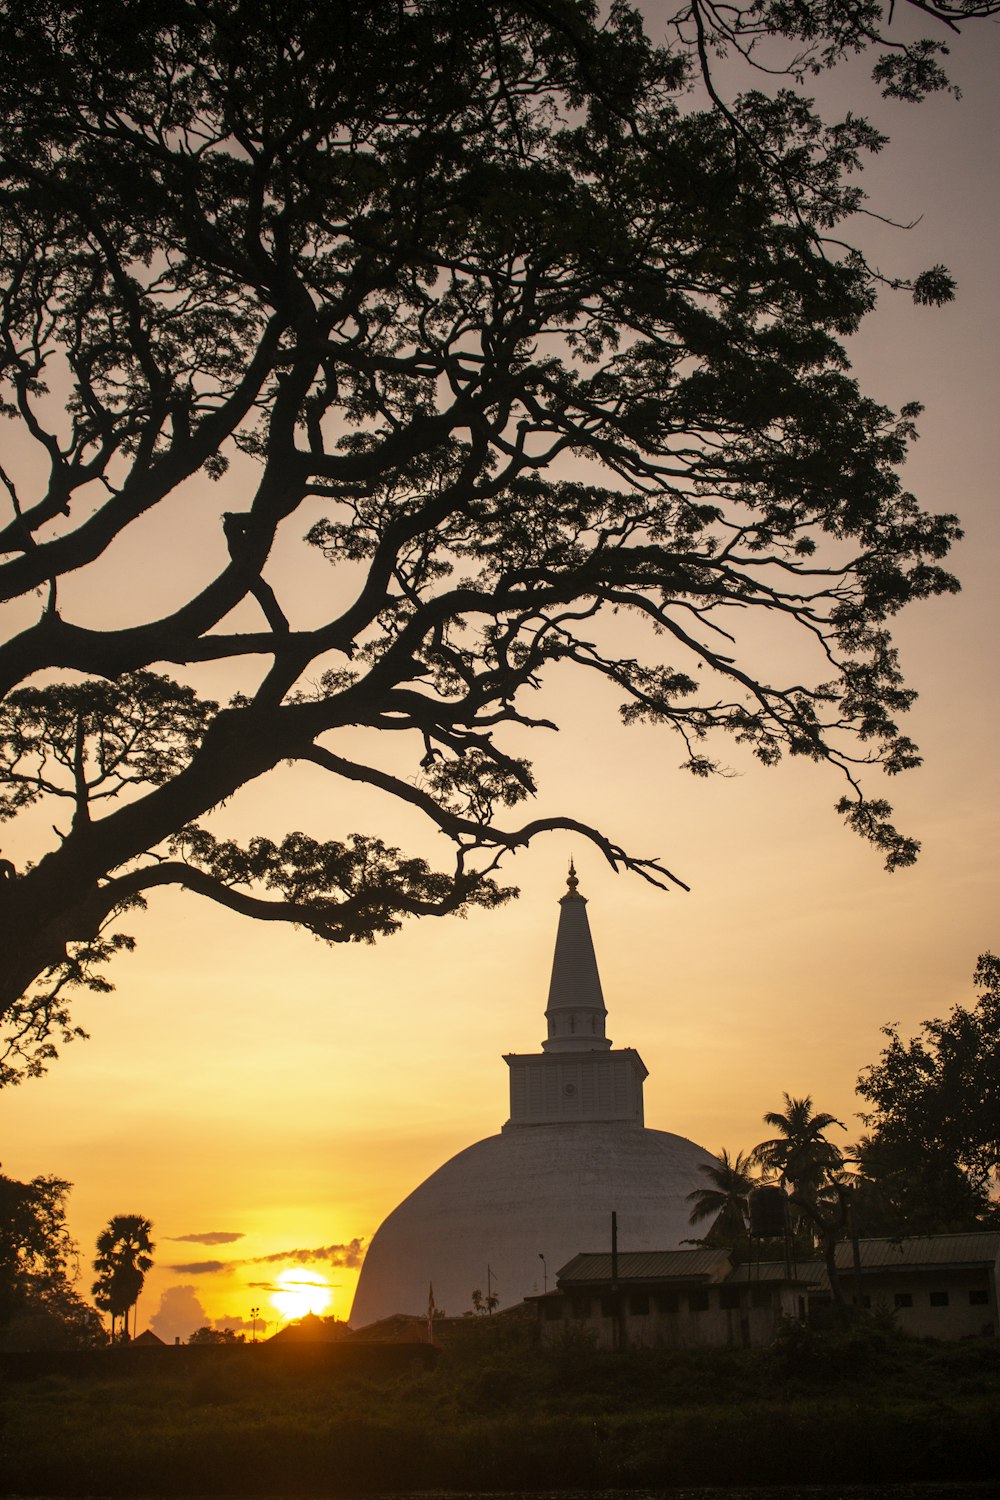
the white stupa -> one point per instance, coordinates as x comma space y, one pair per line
574, 1149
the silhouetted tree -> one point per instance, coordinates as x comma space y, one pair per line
124, 1255
811, 1169
217, 1336
523, 334
34, 1240
933, 1153
901, 1187
724, 1201
800, 1154
39, 1308
485, 1305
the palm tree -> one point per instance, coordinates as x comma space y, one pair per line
124, 1255
725, 1200
811, 1170
800, 1154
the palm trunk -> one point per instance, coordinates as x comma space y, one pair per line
829, 1229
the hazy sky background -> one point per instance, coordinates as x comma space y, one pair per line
249, 1081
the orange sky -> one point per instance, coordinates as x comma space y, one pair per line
251, 1083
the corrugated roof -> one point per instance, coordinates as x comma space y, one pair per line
649, 1265
918, 1252
976, 1248
811, 1272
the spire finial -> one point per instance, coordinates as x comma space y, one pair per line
575, 1013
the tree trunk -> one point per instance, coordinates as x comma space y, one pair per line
61, 900
829, 1229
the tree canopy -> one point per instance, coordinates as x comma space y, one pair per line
929, 1164
933, 1152
34, 1241
124, 1255
216, 1336
39, 1307
725, 1198
524, 324
800, 1154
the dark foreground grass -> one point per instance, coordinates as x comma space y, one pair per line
500, 1414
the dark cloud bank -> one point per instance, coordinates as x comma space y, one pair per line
207, 1237
349, 1255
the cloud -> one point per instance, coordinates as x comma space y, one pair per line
239, 1325
209, 1237
179, 1314
350, 1255
287, 1283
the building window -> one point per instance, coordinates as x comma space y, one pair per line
760, 1296
903, 1299
864, 1301
979, 1297
581, 1307
698, 1301
939, 1299
729, 1298
553, 1311
638, 1305
667, 1302
608, 1308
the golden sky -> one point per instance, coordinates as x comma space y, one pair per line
259, 1095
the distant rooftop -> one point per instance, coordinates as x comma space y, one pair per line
976, 1248
649, 1265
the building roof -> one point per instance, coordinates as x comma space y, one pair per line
651, 1265
311, 1329
810, 1272
401, 1328
925, 1252
975, 1248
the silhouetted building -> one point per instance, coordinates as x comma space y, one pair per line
936, 1286
672, 1299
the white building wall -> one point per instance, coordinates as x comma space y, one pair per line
680, 1320
552, 1088
957, 1304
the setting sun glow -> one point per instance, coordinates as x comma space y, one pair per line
301, 1292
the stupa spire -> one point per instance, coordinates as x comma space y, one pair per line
575, 1013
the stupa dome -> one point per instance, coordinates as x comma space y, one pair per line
574, 1150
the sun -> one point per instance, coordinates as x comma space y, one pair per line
301, 1292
